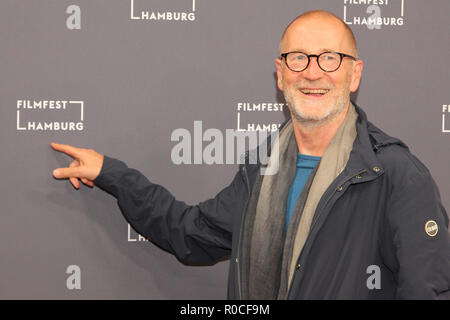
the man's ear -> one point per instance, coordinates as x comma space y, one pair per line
279, 73
356, 75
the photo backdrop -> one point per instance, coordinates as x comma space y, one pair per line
119, 76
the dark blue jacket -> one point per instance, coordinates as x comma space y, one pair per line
369, 223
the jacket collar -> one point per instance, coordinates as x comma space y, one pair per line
369, 141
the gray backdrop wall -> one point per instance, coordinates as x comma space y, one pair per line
119, 76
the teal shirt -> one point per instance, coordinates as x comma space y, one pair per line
305, 165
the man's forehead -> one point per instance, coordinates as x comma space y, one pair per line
316, 40
316, 33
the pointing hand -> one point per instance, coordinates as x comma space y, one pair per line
86, 165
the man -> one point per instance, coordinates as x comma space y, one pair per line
350, 214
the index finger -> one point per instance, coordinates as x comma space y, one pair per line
67, 149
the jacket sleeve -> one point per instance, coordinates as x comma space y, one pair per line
423, 258
196, 235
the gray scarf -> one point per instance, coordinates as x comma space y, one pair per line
270, 251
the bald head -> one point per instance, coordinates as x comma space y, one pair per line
325, 22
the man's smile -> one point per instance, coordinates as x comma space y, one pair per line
314, 92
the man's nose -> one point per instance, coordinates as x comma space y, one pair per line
313, 72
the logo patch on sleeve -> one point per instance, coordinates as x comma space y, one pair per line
431, 228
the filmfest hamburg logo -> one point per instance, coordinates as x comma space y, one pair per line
445, 112
375, 14
133, 236
252, 108
50, 115
137, 13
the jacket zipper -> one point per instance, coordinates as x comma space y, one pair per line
316, 218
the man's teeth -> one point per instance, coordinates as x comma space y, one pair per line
314, 91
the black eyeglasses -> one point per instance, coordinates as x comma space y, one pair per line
328, 61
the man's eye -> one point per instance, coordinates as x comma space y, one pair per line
300, 57
329, 57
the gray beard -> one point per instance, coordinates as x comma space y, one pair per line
312, 122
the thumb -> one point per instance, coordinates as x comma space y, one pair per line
61, 173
